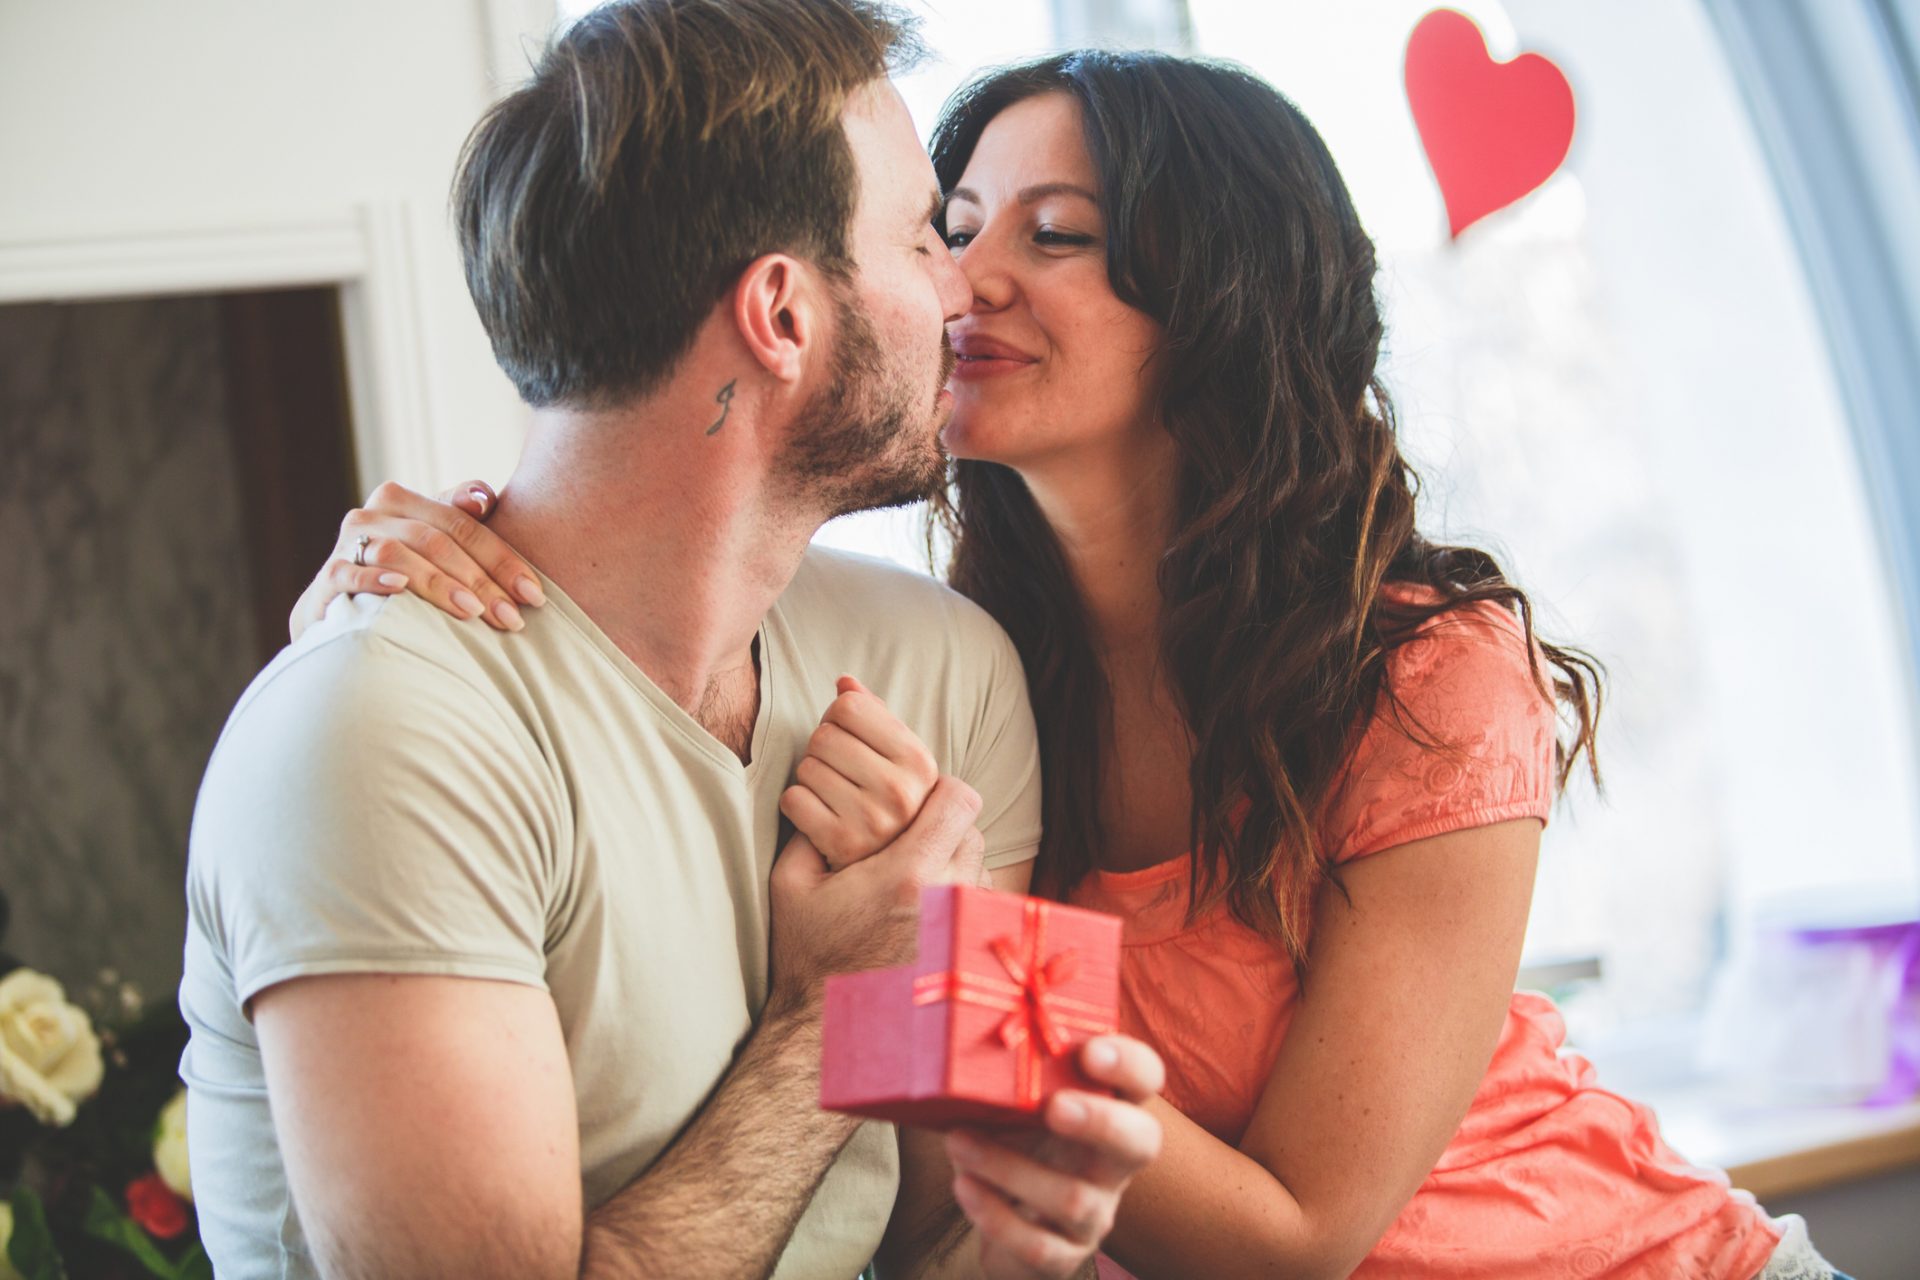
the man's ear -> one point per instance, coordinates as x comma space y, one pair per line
777, 313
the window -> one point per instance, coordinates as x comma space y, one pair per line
1621, 387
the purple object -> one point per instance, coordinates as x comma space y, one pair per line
1896, 953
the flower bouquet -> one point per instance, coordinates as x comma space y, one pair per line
93, 1140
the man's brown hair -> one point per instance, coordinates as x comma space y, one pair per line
662, 145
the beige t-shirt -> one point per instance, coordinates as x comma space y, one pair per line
402, 793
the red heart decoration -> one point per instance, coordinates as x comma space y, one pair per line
1493, 131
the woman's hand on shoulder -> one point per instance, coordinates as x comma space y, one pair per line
438, 548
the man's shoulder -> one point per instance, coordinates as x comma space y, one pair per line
370, 662
888, 601
370, 637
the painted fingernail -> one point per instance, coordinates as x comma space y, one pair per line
529, 592
1070, 1111
466, 602
1101, 1053
507, 616
394, 580
482, 497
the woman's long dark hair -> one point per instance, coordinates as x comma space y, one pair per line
1228, 224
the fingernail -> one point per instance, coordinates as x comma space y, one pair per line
1101, 1053
466, 602
507, 616
482, 497
1070, 1111
394, 580
529, 592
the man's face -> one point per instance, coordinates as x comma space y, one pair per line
870, 436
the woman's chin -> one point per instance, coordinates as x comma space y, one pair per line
970, 436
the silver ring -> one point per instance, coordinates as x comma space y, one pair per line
360, 549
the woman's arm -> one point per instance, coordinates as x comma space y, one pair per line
1398, 1020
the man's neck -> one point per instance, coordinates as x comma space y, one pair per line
667, 537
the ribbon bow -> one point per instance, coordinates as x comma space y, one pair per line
1038, 1016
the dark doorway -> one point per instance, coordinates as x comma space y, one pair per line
172, 473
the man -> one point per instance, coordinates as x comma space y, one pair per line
490, 968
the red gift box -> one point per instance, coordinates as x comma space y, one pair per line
985, 1025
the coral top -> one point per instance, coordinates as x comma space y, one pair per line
1550, 1175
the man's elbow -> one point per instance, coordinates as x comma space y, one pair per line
522, 1250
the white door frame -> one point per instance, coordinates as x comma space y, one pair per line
369, 251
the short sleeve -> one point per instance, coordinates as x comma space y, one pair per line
1471, 744
367, 810
1002, 756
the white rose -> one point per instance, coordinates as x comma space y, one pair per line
6, 1236
49, 1056
170, 1147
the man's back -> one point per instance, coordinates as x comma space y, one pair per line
402, 793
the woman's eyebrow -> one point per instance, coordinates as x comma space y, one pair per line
1028, 195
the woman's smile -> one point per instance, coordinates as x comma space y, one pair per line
981, 356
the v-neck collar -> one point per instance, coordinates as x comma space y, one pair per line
670, 711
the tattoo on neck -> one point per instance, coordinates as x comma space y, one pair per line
723, 398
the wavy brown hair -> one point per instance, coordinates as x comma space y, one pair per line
1229, 225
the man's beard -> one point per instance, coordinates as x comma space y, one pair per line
868, 439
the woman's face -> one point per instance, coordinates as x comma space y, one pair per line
1051, 362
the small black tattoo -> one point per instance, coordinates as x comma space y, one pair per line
724, 398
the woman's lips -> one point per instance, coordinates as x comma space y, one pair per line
973, 368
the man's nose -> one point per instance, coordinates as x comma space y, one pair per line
956, 291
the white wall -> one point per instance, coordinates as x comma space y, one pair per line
125, 115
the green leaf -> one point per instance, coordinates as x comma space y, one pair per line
31, 1251
194, 1264
105, 1221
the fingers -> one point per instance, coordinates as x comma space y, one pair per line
938, 833
1131, 1068
436, 566
969, 860
503, 573
475, 497
1003, 1230
442, 590
341, 577
838, 841
799, 865
871, 722
1076, 1207
1114, 1139
891, 786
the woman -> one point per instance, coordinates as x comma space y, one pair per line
1305, 753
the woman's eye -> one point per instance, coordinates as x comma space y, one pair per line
959, 239
1046, 235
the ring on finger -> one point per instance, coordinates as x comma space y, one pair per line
360, 549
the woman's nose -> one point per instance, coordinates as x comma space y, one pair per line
985, 266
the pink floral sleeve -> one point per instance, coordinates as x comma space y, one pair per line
1477, 747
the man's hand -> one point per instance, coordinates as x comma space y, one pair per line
862, 781
1041, 1202
868, 915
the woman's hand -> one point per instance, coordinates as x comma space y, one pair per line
1042, 1201
863, 779
441, 550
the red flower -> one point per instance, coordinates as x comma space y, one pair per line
160, 1213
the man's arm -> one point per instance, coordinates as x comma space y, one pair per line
428, 1124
